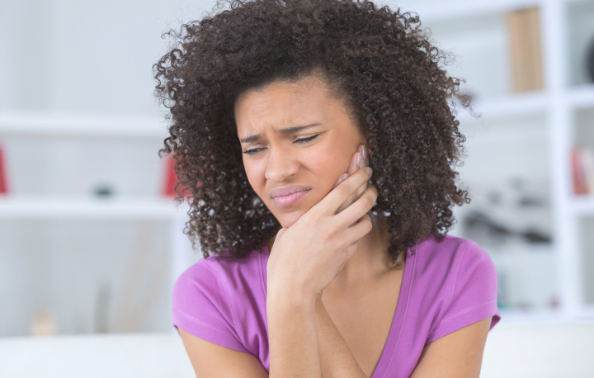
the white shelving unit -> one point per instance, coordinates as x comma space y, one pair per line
52, 209
566, 28
474, 31
89, 209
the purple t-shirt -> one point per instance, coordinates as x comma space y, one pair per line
446, 286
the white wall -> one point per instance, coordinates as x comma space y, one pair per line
85, 56
94, 59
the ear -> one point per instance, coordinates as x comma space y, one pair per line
365, 142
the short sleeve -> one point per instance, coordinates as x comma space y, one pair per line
474, 294
201, 307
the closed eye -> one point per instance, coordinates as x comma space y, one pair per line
298, 141
305, 140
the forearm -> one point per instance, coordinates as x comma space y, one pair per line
293, 338
336, 358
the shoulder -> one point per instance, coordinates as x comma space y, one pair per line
449, 256
457, 283
452, 265
213, 298
218, 275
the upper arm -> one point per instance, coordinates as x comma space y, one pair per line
212, 360
458, 354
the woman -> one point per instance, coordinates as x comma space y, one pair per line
319, 265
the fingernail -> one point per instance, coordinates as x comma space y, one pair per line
364, 152
342, 178
369, 170
358, 160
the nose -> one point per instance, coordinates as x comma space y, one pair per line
281, 165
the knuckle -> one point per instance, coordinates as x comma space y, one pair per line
368, 223
367, 201
344, 189
326, 236
362, 189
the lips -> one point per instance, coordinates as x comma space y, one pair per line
288, 195
290, 199
288, 190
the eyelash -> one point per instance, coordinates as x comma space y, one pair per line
298, 141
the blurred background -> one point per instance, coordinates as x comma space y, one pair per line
91, 241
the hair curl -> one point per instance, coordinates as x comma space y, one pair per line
380, 61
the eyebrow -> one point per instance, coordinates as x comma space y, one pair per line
288, 130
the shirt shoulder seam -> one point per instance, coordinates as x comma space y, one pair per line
471, 308
457, 273
227, 297
190, 317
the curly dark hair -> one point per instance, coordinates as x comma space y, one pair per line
378, 60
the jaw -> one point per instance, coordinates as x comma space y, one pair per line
288, 219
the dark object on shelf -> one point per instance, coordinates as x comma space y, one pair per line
531, 202
103, 191
591, 60
535, 237
477, 224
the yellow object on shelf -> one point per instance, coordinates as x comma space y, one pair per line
43, 324
525, 49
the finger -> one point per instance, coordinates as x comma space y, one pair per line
356, 231
353, 197
359, 208
353, 165
364, 163
329, 204
351, 169
340, 179
351, 250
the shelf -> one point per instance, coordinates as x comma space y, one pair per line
52, 208
587, 312
455, 10
516, 316
582, 205
55, 124
581, 96
515, 133
524, 104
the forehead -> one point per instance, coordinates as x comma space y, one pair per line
283, 103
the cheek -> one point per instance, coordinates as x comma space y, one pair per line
328, 164
255, 177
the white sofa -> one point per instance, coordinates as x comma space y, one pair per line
542, 350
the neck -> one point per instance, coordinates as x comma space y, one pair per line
371, 261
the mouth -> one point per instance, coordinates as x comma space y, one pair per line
290, 199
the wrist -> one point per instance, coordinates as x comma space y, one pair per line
290, 300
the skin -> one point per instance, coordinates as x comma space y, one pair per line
313, 280
319, 163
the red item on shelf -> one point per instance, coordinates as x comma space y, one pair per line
171, 178
3, 173
586, 165
577, 173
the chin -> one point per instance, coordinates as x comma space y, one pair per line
287, 220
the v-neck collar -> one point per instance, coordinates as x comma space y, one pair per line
385, 361
383, 366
